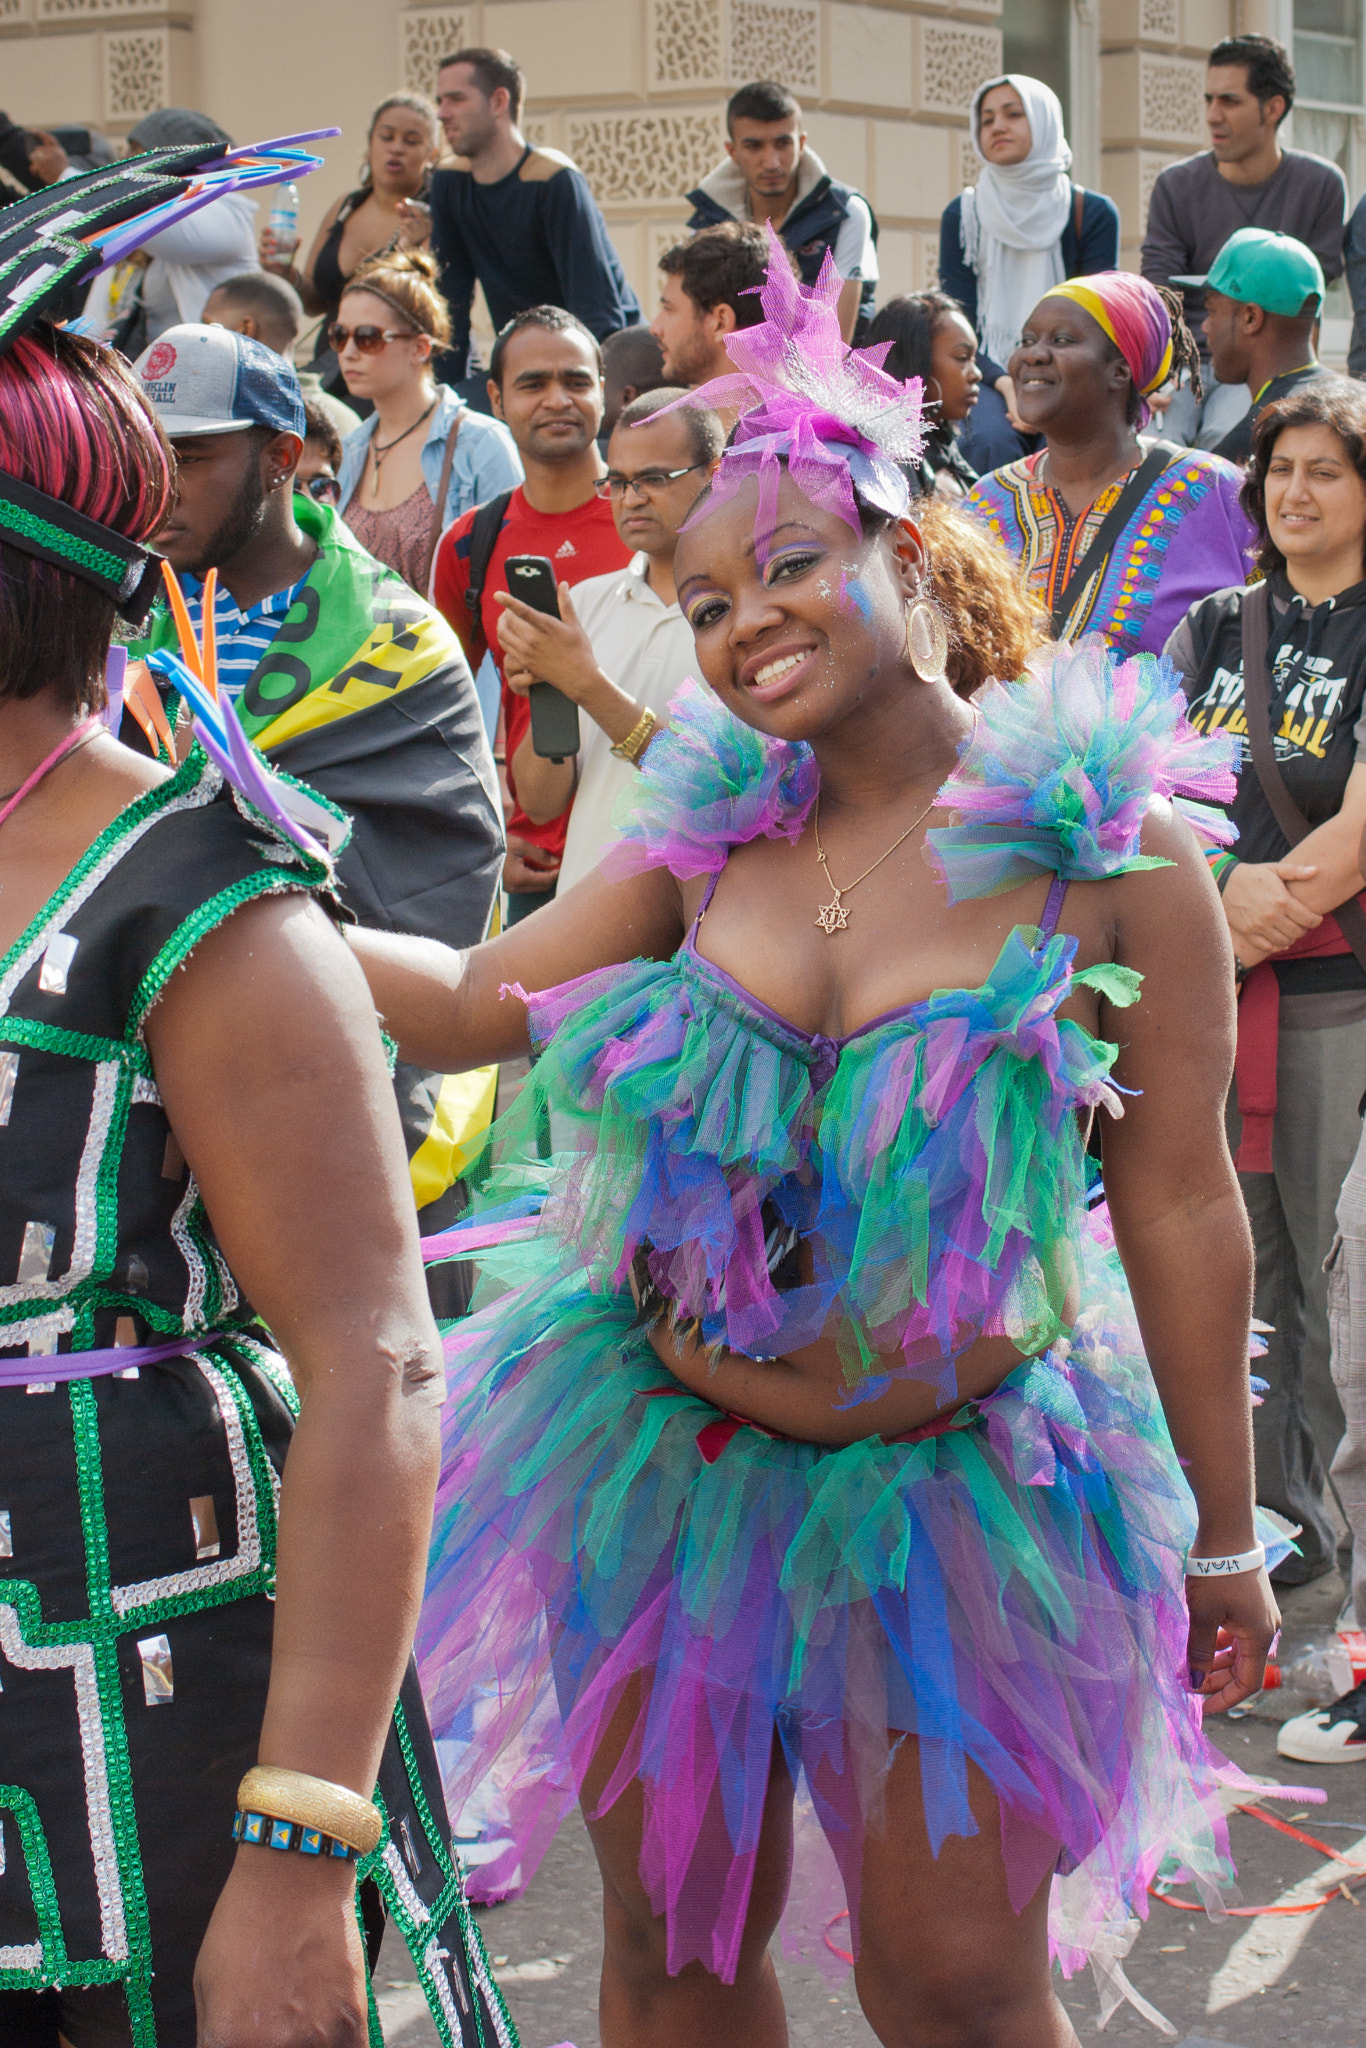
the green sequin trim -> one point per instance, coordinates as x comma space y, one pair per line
76, 1045
182, 942
19, 519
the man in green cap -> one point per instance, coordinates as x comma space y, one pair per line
1263, 297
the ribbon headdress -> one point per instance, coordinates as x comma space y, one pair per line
830, 412
61, 237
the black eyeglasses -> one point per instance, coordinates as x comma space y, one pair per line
325, 489
369, 340
646, 483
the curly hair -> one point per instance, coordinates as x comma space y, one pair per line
74, 423
1338, 403
993, 625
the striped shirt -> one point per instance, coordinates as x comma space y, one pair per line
243, 636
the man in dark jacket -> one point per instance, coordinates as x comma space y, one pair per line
770, 174
519, 221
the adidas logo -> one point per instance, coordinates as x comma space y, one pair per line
565, 548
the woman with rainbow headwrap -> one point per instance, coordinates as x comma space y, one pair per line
809, 1508
1092, 354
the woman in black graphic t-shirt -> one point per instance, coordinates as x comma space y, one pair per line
1301, 1068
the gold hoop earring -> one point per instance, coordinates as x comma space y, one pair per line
927, 640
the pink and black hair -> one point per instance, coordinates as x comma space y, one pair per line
75, 426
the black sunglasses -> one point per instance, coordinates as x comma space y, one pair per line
325, 489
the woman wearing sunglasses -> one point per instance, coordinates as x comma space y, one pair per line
422, 457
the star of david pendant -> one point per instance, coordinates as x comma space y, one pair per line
832, 917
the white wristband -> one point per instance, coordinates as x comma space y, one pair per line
1226, 1567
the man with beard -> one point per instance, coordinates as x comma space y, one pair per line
341, 675
711, 288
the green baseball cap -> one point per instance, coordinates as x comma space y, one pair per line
1258, 267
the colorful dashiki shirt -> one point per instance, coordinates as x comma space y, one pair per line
1139, 595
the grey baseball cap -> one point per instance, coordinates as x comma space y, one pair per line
207, 380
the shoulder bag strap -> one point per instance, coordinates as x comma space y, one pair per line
438, 525
1261, 746
1111, 527
484, 532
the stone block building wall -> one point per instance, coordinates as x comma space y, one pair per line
1152, 81
633, 90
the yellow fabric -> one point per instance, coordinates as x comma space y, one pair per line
1081, 294
401, 659
464, 1111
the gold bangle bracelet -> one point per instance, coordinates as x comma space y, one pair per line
312, 1803
637, 739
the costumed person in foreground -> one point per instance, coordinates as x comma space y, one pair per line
812, 1448
215, 1777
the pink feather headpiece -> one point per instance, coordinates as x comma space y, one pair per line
830, 412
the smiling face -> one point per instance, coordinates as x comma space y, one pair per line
1316, 500
1003, 132
1066, 371
953, 365
807, 640
551, 393
401, 147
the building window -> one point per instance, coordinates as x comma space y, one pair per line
1328, 118
1038, 43
1328, 52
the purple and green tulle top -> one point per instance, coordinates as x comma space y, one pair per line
932, 1163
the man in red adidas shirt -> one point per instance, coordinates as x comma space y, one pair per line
545, 381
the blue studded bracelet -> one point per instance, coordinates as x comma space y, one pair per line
270, 1833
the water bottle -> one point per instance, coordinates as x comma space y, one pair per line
1312, 1672
283, 224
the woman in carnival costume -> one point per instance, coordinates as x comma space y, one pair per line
812, 1448
206, 1732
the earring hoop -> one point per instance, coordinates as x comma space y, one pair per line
927, 640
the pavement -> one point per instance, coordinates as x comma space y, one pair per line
1249, 1982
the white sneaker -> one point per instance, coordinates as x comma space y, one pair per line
1328, 1735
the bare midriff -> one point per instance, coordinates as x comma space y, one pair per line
804, 1394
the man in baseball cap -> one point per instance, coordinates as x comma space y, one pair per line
342, 675
1263, 298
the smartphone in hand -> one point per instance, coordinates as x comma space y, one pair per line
554, 717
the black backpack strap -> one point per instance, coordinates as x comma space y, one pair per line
488, 524
1141, 480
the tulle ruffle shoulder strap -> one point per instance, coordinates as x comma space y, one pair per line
1060, 768
706, 784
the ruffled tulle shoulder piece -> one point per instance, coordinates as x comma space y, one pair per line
709, 783
1060, 768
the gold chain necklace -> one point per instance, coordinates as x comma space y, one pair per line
833, 917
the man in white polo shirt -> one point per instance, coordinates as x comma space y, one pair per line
620, 647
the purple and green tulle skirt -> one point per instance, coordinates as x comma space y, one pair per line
1009, 1590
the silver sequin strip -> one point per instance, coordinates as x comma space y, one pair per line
148, 1591
79, 1659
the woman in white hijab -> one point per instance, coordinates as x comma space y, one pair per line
1021, 229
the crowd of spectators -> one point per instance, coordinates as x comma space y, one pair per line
1165, 458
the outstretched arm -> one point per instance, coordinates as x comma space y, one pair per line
273, 1077
1182, 1229
446, 1009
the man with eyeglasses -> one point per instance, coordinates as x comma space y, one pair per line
621, 646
